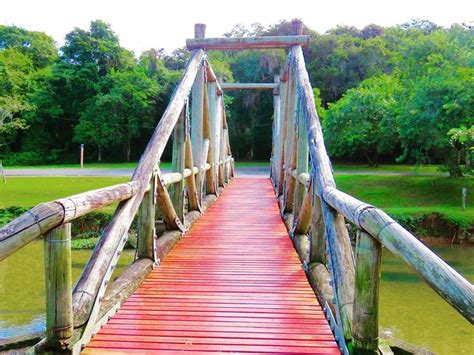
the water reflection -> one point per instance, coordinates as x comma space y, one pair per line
22, 294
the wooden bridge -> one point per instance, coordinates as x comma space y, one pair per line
215, 269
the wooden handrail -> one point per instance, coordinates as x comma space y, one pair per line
449, 284
91, 278
46, 216
338, 238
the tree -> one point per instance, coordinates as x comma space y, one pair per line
462, 139
440, 101
118, 113
15, 71
362, 123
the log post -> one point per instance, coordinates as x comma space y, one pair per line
290, 147
366, 296
297, 27
193, 199
146, 224
211, 187
197, 114
213, 103
276, 133
282, 135
57, 259
220, 140
301, 161
178, 164
318, 244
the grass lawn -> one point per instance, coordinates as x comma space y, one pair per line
413, 195
388, 168
397, 195
29, 191
338, 168
163, 165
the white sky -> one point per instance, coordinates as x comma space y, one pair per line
144, 24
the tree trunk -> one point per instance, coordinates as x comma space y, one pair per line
468, 159
99, 153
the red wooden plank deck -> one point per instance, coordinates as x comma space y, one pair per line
232, 284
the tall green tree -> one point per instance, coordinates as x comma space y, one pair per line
362, 124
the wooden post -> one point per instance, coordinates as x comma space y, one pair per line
276, 134
282, 136
213, 103
301, 161
297, 27
199, 30
318, 244
366, 297
290, 147
3, 172
464, 197
220, 139
211, 187
197, 114
178, 164
57, 259
193, 199
146, 224
82, 156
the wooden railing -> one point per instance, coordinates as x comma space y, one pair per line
315, 212
202, 165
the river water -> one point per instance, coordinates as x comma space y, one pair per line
408, 307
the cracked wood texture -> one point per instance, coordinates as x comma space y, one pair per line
233, 283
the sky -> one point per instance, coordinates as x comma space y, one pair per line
145, 24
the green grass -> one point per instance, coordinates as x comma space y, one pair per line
388, 168
163, 165
412, 195
397, 195
29, 191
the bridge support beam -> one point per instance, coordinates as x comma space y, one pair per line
59, 316
365, 320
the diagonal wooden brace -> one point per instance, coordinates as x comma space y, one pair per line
165, 204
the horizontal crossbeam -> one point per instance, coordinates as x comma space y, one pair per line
237, 43
248, 86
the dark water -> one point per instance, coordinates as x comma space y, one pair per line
411, 309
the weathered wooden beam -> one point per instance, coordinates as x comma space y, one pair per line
303, 220
448, 283
109, 244
178, 164
276, 141
282, 137
46, 216
58, 266
365, 326
290, 146
193, 199
318, 242
211, 77
164, 203
197, 115
241, 43
301, 161
146, 225
336, 232
211, 186
248, 86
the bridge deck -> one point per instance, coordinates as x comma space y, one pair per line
232, 284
